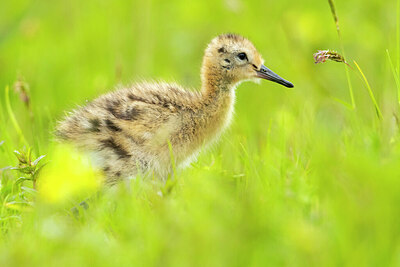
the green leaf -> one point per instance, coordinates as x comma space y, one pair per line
27, 169
38, 159
21, 180
29, 190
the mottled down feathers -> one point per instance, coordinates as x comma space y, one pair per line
127, 130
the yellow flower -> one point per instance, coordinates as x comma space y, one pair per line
68, 175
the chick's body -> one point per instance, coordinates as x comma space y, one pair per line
130, 129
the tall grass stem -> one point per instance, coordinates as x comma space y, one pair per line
398, 36
336, 19
371, 94
395, 75
12, 117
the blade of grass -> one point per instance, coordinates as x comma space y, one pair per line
344, 103
353, 104
13, 119
395, 75
336, 19
334, 15
6, 148
371, 94
398, 35
171, 179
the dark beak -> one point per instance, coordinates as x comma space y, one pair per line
267, 74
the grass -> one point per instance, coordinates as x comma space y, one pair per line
336, 19
371, 94
298, 179
12, 117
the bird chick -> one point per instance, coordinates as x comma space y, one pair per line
131, 129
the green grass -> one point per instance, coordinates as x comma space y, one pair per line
299, 179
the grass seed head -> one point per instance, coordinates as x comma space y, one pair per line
323, 55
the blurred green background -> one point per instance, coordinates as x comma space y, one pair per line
299, 179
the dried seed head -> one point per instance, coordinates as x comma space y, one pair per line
22, 88
323, 55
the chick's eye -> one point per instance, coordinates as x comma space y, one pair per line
242, 56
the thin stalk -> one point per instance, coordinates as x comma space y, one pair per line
336, 19
398, 36
12, 117
371, 94
396, 71
171, 180
353, 103
396, 77
344, 103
